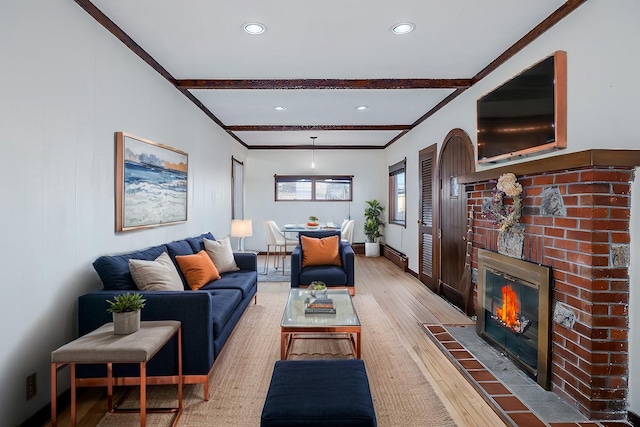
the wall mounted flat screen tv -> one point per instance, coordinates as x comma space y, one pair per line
527, 114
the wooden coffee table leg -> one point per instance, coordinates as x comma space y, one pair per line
358, 345
283, 345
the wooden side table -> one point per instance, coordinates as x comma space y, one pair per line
102, 346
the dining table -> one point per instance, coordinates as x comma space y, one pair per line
297, 228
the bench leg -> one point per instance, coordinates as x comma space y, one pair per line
110, 387
54, 394
73, 394
143, 394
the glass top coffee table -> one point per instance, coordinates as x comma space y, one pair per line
296, 324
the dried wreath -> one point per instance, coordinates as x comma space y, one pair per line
504, 216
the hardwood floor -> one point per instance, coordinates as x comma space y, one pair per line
408, 304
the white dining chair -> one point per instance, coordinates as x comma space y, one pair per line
279, 242
347, 231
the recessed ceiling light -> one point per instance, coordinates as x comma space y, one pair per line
254, 28
402, 28
280, 108
361, 107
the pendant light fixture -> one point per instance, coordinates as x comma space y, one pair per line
313, 153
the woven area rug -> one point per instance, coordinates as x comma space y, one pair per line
273, 275
401, 394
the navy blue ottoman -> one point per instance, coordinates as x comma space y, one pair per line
319, 393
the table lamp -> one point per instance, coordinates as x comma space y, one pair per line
241, 228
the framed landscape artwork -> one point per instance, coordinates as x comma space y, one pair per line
151, 183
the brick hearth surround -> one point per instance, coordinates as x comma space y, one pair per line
589, 360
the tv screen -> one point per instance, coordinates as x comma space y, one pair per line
525, 115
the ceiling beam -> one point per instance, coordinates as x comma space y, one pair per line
325, 84
292, 128
316, 147
551, 20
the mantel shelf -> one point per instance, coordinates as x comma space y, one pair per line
580, 159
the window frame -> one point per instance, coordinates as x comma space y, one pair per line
313, 180
237, 189
399, 168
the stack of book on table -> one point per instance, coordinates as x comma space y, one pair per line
319, 306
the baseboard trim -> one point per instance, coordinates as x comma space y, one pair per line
43, 415
358, 248
396, 257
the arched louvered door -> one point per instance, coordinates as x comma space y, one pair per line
428, 253
456, 158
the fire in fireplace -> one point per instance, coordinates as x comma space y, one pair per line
513, 311
508, 316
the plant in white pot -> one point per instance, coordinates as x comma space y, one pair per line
126, 312
372, 227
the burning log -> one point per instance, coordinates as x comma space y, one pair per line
508, 315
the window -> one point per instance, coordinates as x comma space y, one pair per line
312, 188
397, 202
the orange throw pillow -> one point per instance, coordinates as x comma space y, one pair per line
320, 251
198, 269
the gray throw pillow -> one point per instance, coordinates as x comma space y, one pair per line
157, 275
221, 254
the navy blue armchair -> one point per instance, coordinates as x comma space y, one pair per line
342, 276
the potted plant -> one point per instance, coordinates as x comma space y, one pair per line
126, 312
318, 289
372, 227
313, 221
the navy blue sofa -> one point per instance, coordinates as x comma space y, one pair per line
208, 315
342, 276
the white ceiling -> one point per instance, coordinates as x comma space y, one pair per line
329, 39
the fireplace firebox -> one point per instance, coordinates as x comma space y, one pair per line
514, 311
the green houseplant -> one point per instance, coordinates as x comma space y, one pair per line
126, 312
318, 289
373, 225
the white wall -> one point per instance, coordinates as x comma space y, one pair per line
368, 183
66, 85
601, 39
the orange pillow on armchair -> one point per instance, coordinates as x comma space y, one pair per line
323, 251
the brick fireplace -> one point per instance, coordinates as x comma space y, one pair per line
576, 222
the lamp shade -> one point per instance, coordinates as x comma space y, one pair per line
241, 228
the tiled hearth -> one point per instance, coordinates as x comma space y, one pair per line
576, 222
507, 396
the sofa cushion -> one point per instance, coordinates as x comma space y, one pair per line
114, 269
221, 254
198, 269
157, 275
242, 280
324, 251
180, 247
197, 243
223, 305
330, 274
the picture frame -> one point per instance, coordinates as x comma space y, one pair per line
151, 183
